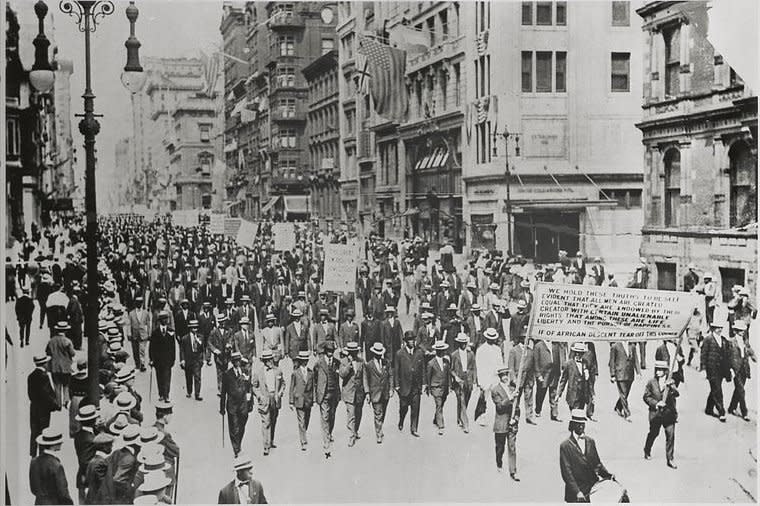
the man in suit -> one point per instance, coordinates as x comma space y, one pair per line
371, 332
302, 394
244, 341
259, 293
246, 310
271, 338
220, 345
181, 317
376, 306
226, 291
297, 335
206, 323
524, 377
579, 461
505, 423
348, 331
193, 296
24, 312
715, 362
408, 378
139, 324
47, 477
61, 351
122, 467
390, 331
377, 379
739, 357
43, 399
236, 398
518, 323
623, 365
268, 386
575, 375
463, 378
327, 392
162, 352
191, 359
176, 294
351, 372
96, 469
475, 326
364, 288
597, 270
592, 364
84, 445
547, 359
670, 353
428, 334
438, 377
323, 330
243, 489
660, 396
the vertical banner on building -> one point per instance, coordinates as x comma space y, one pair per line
340, 267
602, 313
284, 236
216, 223
247, 233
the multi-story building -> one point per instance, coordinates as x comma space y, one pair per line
66, 182
573, 150
123, 164
700, 164
323, 135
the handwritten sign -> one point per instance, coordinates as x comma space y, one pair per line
246, 233
340, 267
596, 313
284, 236
216, 223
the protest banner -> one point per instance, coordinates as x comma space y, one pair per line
284, 236
216, 223
600, 313
246, 233
340, 267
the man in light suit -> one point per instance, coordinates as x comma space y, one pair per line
438, 373
327, 392
323, 330
268, 386
271, 337
463, 378
547, 360
349, 331
623, 364
243, 485
377, 384
351, 372
302, 394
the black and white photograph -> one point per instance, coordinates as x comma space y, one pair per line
300, 252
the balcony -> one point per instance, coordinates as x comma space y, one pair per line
286, 20
280, 114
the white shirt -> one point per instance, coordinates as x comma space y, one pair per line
488, 360
718, 339
476, 321
581, 443
579, 365
269, 379
549, 347
243, 492
440, 362
463, 358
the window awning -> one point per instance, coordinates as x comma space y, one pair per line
297, 204
432, 160
269, 205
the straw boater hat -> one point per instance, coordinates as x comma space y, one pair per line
491, 334
267, 355
154, 482
296, 313
118, 426
41, 359
740, 325
193, 324
521, 304
270, 317
49, 437
426, 315
661, 364
229, 300
493, 286
578, 416
163, 408
125, 374
131, 434
86, 413
244, 320
462, 338
475, 307
440, 345
578, 347
501, 371
303, 355
153, 459
62, 325
390, 309
377, 348
102, 325
236, 355
125, 401
150, 435
352, 346
221, 318
147, 499
242, 463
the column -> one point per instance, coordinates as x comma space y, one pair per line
657, 44
721, 197
685, 76
684, 210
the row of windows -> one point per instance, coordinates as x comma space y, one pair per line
627, 198
432, 94
323, 120
439, 27
12, 137
555, 13
388, 162
546, 72
325, 85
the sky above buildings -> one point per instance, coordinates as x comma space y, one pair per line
166, 28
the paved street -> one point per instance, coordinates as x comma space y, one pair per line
714, 458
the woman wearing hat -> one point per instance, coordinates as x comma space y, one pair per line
660, 396
47, 477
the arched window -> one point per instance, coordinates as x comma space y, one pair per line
743, 176
672, 198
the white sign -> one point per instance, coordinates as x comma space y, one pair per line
185, 218
340, 267
247, 233
284, 236
595, 313
216, 223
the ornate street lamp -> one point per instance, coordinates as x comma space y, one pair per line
507, 174
133, 77
41, 77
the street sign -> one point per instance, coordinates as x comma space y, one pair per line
340, 267
284, 236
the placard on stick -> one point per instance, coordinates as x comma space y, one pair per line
340, 267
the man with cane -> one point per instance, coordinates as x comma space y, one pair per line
235, 400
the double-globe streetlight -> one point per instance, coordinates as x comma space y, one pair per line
87, 14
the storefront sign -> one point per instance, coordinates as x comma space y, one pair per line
544, 192
545, 137
593, 313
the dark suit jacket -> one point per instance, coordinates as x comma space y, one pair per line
715, 359
459, 375
352, 387
24, 308
234, 391
518, 325
302, 391
437, 379
41, 395
503, 406
95, 474
425, 341
377, 383
186, 350
624, 365
47, 481
294, 342
371, 332
653, 395
391, 336
547, 365
409, 371
739, 364
229, 494
577, 386
513, 362
321, 371
85, 450
180, 322
579, 470
118, 484
162, 349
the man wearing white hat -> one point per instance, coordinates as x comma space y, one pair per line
438, 376
154, 485
62, 352
47, 477
740, 355
243, 489
377, 379
579, 461
327, 392
660, 396
575, 375
296, 335
714, 361
464, 377
83, 444
235, 400
244, 341
301, 396
191, 359
268, 385
709, 289
505, 425
122, 467
271, 337
43, 399
488, 360
220, 344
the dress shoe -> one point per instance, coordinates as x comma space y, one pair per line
745, 418
592, 419
722, 418
466, 430
188, 396
332, 439
514, 476
379, 440
531, 421
273, 445
400, 426
538, 415
672, 465
327, 455
499, 470
647, 456
351, 442
414, 433
198, 398
303, 448
266, 452
440, 432
628, 419
556, 419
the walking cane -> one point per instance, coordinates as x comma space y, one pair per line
176, 479
150, 386
222, 430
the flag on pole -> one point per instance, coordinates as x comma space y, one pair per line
387, 66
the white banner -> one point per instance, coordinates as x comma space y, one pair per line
284, 236
216, 223
596, 313
185, 218
340, 267
246, 233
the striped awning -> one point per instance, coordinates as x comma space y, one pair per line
433, 159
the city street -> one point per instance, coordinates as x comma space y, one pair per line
715, 460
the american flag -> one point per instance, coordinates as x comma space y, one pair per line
361, 77
386, 66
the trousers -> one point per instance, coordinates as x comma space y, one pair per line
508, 439
379, 409
715, 397
591, 394
139, 351
541, 394
440, 400
237, 417
737, 399
193, 376
327, 417
163, 380
621, 406
405, 402
24, 330
670, 436
269, 423
463, 394
36, 424
220, 368
303, 415
354, 418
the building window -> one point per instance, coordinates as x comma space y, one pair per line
527, 71
743, 177
443, 20
13, 137
621, 13
457, 85
389, 162
205, 162
561, 15
286, 77
560, 71
347, 45
205, 131
672, 186
672, 60
287, 107
287, 138
328, 45
443, 80
350, 122
627, 198
287, 45
483, 142
543, 13
621, 71
543, 71
527, 13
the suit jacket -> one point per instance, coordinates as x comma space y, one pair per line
322, 371
391, 336
476, 336
271, 338
229, 494
139, 324
547, 365
714, 358
577, 384
579, 470
120, 474
261, 391
24, 308
653, 395
62, 352
320, 334
352, 380
503, 404
409, 371
162, 349
459, 374
235, 389
377, 382
246, 347
41, 395
371, 332
302, 390
294, 341
513, 362
740, 362
437, 378
348, 332
518, 325
205, 324
180, 322
624, 363
94, 476
85, 450
47, 481
425, 340
186, 353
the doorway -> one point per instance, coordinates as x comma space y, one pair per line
729, 278
666, 276
541, 235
